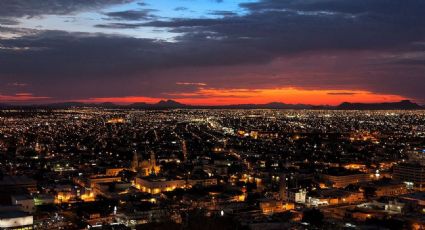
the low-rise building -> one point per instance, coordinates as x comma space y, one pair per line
334, 197
15, 219
341, 177
102, 179
18, 183
297, 195
387, 187
270, 206
156, 185
25, 202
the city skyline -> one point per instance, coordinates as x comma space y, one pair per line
212, 52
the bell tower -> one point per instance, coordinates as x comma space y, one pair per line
152, 163
135, 162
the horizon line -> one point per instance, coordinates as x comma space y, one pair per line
199, 105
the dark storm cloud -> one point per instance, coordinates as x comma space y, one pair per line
282, 28
8, 21
269, 30
132, 14
117, 25
21, 8
56, 52
286, 32
77, 60
342, 6
223, 13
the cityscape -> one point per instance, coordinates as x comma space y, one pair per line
212, 114
98, 168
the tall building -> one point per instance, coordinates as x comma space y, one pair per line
411, 173
417, 156
283, 187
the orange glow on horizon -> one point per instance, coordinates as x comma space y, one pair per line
211, 96
121, 100
21, 97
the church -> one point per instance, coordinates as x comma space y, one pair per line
144, 167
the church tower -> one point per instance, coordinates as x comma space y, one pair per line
144, 167
152, 162
135, 161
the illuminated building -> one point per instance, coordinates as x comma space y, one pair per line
158, 185
16, 220
335, 197
116, 121
144, 167
113, 171
64, 197
270, 206
25, 202
394, 207
387, 187
263, 135
297, 195
92, 181
341, 178
43, 199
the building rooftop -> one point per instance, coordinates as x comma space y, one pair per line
341, 172
16, 180
13, 214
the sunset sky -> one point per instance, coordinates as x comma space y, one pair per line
212, 52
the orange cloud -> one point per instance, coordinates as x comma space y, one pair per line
21, 97
121, 100
191, 83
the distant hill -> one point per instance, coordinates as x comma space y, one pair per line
402, 105
4, 106
171, 104
66, 105
138, 105
272, 105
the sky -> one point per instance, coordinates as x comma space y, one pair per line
212, 52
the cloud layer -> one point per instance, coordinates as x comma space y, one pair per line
374, 46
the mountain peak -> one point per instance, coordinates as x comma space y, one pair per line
401, 105
169, 103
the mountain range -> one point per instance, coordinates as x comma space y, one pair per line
171, 104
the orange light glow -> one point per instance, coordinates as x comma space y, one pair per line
212, 96
87, 197
286, 95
